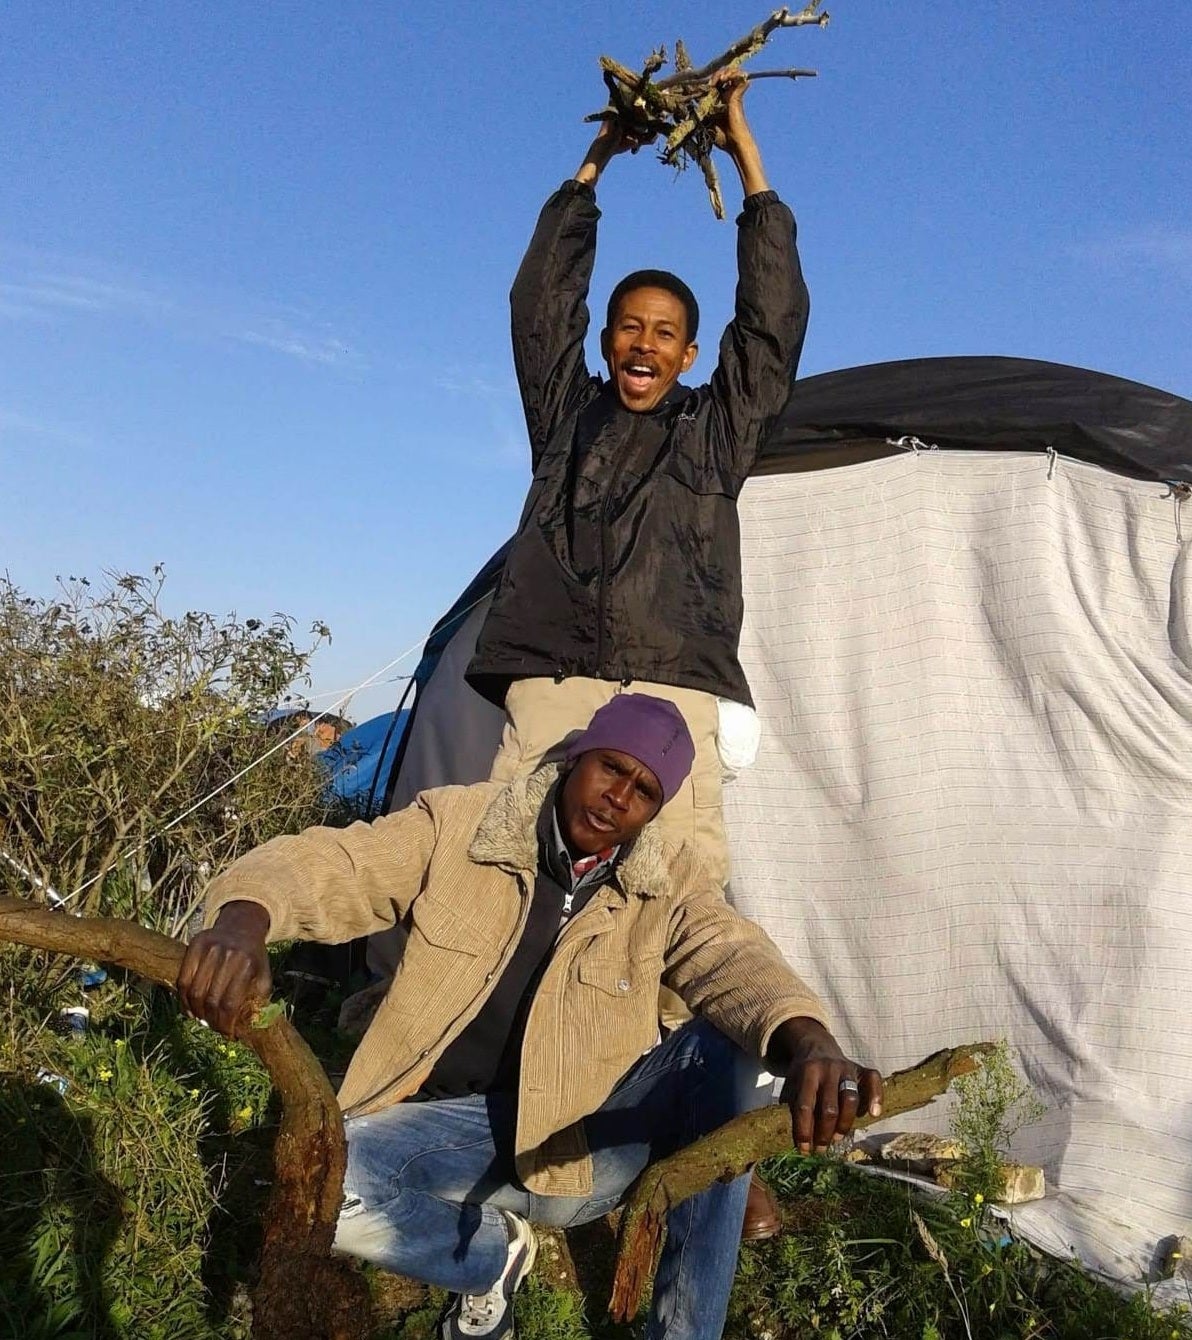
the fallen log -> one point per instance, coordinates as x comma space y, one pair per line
733, 1149
301, 1290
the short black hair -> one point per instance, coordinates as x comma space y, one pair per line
656, 279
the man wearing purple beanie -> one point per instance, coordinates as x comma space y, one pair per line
513, 1074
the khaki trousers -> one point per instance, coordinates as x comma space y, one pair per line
544, 715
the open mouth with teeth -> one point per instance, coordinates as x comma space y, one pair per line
638, 377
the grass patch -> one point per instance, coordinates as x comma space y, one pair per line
867, 1257
129, 1205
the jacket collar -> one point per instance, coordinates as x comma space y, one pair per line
673, 400
507, 835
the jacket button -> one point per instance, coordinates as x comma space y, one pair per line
424, 1055
622, 985
490, 976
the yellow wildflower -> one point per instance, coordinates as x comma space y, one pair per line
966, 1223
104, 1073
978, 1199
245, 1113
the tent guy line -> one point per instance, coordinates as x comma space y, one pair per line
341, 697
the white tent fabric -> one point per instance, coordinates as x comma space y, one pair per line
971, 816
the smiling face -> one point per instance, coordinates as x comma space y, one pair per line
646, 346
607, 798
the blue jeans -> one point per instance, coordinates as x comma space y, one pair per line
426, 1182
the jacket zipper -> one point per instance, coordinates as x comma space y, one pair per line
602, 591
519, 927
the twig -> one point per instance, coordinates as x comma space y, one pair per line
733, 1149
680, 85
753, 41
751, 75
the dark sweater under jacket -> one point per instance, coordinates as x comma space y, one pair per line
626, 563
486, 1057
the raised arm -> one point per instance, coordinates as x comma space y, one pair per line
549, 298
759, 351
734, 136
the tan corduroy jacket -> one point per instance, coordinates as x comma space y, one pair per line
457, 869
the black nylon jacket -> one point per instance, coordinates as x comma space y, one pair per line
626, 563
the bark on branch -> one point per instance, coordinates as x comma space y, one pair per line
302, 1290
736, 1147
751, 43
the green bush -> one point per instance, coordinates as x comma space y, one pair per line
124, 732
137, 1152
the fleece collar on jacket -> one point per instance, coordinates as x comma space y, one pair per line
508, 836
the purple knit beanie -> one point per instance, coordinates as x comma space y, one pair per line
650, 730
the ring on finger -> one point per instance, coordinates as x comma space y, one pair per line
849, 1086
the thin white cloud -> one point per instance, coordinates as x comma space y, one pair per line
307, 347
79, 292
51, 293
1158, 246
504, 442
486, 388
15, 425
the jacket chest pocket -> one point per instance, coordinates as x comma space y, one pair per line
619, 1008
614, 978
443, 929
694, 463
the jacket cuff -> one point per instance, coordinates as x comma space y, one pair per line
583, 189
756, 202
223, 892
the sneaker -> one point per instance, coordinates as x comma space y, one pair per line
490, 1315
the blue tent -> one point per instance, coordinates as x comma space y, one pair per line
361, 756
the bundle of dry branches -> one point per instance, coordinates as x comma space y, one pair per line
681, 106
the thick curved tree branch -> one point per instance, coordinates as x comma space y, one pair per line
302, 1290
736, 1147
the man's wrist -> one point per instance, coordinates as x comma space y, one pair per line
244, 918
595, 161
791, 1038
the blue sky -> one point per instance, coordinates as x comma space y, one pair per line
254, 259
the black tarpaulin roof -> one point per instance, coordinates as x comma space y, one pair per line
1004, 404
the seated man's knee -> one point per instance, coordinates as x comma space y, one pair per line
368, 1234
